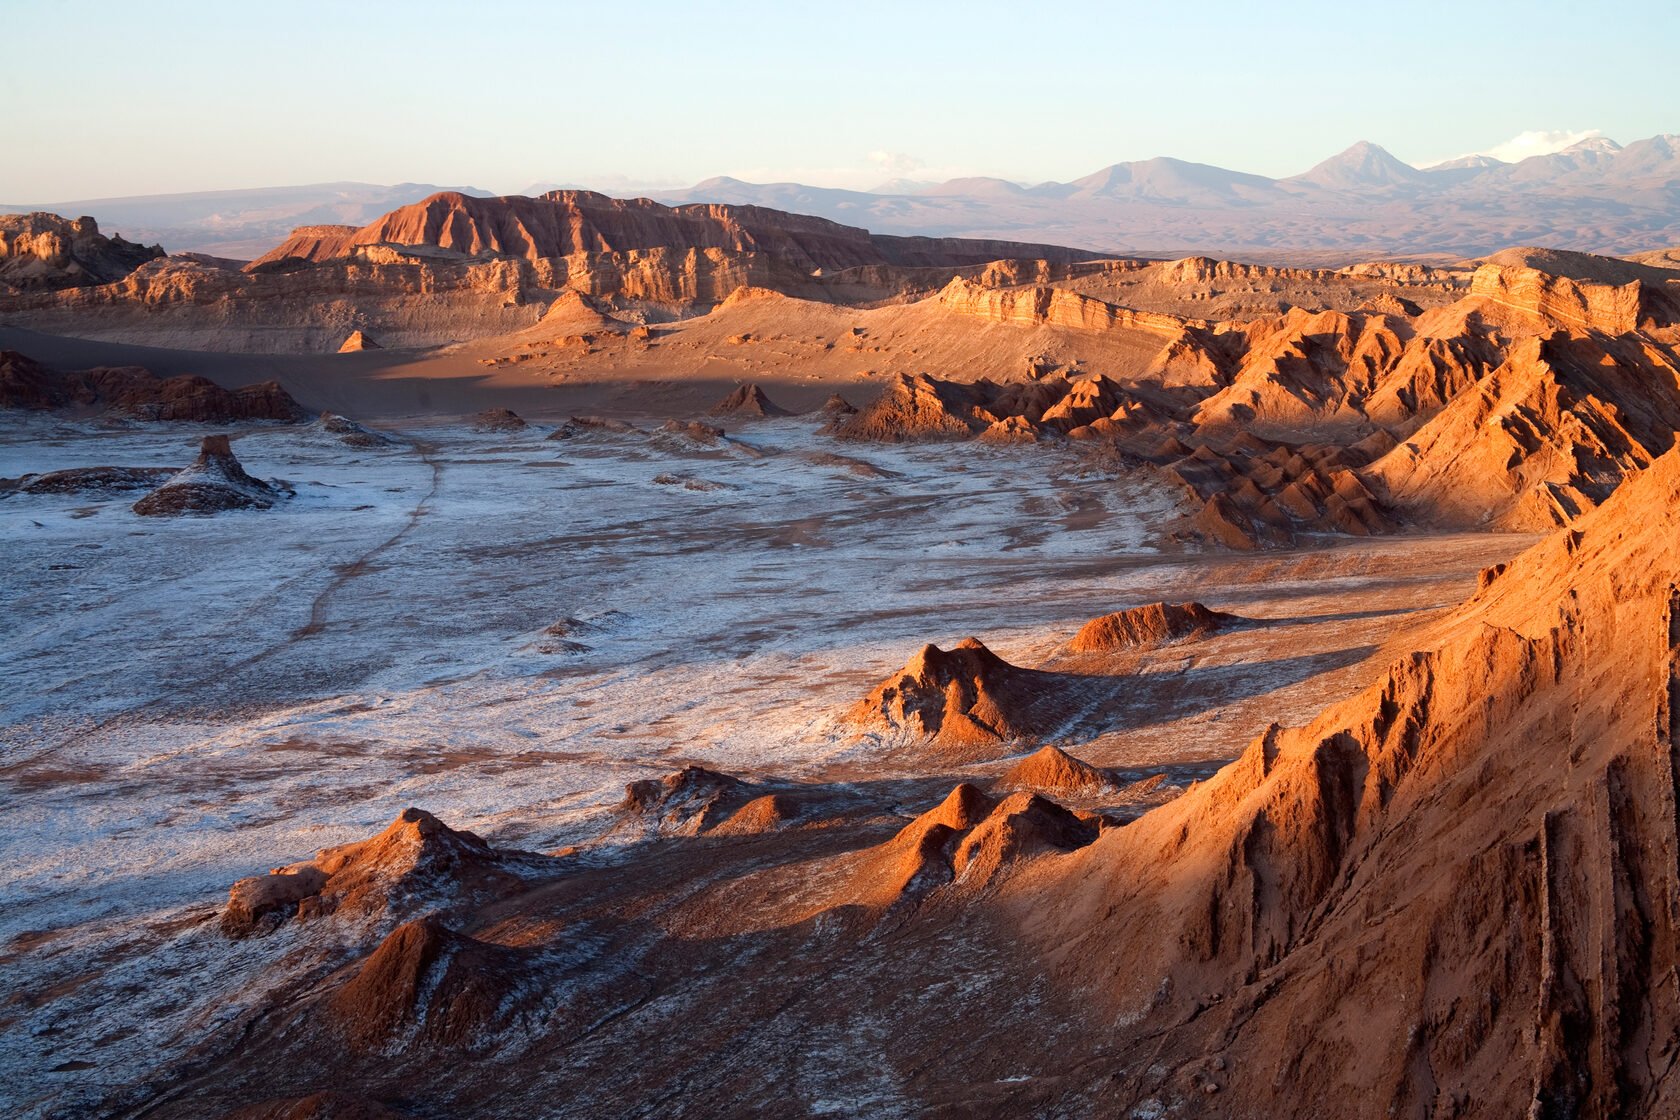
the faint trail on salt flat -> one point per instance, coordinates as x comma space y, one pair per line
317, 615
362, 564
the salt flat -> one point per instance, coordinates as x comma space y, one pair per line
188, 701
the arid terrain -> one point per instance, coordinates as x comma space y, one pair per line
572, 656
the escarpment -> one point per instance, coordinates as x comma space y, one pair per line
1476, 836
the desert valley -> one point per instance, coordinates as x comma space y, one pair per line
565, 655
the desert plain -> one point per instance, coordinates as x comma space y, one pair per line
573, 656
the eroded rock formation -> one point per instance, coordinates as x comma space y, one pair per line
212, 483
138, 393
46, 252
1149, 626
964, 700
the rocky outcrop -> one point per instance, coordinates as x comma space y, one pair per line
350, 433
43, 251
307, 243
1058, 307
686, 802
358, 342
1052, 770
213, 483
418, 861
914, 407
1149, 626
89, 480
139, 394
964, 700
497, 420
837, 407
427, 986
748, 401
1545, 437
1254, 493
1023, 826
1543, 301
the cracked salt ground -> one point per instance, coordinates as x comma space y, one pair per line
194, 700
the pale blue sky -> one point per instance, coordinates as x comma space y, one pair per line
107, 98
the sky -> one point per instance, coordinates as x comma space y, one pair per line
111, 99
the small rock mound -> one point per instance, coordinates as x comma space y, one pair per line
915, 407
769, 813
417, 856
689, 482
428, 984
1149, 626
686, 802
837, 407
694, 430
213, 483
350, 433
961, 699
966, 836
579, 425
963, 808
748, 400
1022, 826
85, 480
1054, 770
498, 420
358, 342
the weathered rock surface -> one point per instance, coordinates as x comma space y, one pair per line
1052, 770
1543, 438
749, 401
46, 252
89, 480
1502, 800
964, 700
498, 420
214, 482
1149, 626
356, 342
139, 394
417, 861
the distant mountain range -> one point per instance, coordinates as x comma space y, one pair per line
1595, 196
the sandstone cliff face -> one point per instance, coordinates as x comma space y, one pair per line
1545, 437
1464, 876
1545, 301
1058, 307
564, 223
46, 252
